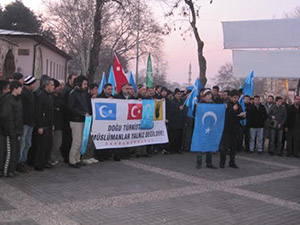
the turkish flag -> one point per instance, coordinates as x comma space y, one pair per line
135, 111
120, 77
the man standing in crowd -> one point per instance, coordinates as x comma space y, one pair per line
12, 127
216, 96
277, 115
66, 132
28, 105
58, 104
88, 157
141, 150
208, 99
268, 105
78, 109
234, 113
256, 116
19, 78
176, 123
124, 94
293, 128
244, 138
105, 154
44, 125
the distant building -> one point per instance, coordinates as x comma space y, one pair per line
31, 54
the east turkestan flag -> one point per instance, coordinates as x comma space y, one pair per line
209, 125
120, 76
149, 74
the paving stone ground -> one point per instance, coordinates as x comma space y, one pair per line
164, 189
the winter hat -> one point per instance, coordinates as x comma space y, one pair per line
29, 80
17, 76
56, 83
206, 92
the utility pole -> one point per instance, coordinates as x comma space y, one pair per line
190, 75
137, 44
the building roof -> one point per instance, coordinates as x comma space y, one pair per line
36, 37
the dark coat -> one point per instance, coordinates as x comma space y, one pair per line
121, 96
103, 95
77, 105
292, 112
58, 104
28, 105
176, 116
11, 115
256, 117
44, 110
232, 120
65, 94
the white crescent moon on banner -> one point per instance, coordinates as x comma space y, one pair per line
101, 111
212, 114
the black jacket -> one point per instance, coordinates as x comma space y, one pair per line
292, 112
58, 104
28, 105
11, 115
232, 120
77, 105
256, 117
65, 94
103, 95
175, 115
44, 110
121, 96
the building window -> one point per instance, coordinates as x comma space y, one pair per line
57, 74
47, 62
50, 69
53, 70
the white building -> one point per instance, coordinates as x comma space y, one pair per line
31, 54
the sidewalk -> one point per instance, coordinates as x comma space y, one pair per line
164, 189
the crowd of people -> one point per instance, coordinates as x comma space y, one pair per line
42, 127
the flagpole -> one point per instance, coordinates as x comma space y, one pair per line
137, 44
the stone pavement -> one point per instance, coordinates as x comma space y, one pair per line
158, 190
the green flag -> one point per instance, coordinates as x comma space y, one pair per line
149, 74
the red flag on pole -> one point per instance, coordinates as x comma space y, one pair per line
120, 77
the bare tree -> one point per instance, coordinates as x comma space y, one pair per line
225, 79
190, 9
73, 21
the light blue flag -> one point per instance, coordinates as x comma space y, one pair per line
209, 125
147, 122
132, 82
248, 85
102, 83
242, 103
192, 99
111, 80
86, 134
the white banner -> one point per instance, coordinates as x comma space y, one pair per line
116, 124
276, 33
272, 64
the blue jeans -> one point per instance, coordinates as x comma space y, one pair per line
259, 133
275, 141
25, 143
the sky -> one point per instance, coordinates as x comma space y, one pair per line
180, 53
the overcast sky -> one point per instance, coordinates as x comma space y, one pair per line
180, 53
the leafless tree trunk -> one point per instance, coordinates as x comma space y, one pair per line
97, 40
200, 44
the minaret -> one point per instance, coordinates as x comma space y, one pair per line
190, 75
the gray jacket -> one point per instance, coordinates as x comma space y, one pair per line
279, 113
